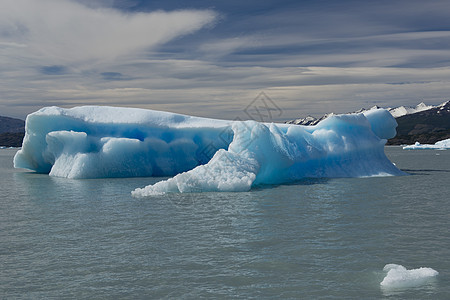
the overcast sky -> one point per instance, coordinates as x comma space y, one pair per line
213, 58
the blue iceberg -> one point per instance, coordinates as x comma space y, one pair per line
202, 154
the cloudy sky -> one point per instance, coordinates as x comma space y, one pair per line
213, 58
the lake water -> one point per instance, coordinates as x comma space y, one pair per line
319, 238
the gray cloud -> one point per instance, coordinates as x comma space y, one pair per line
309, 58
53, 70
114, 76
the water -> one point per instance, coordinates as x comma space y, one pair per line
321, 238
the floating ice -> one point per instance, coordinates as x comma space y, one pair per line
399, 277
207, 154
441, 145
94, 141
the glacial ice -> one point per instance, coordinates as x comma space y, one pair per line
95, 142
203, 154
399, 277
441, 145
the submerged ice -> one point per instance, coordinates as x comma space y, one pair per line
203, 154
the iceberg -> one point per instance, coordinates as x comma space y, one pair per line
441, 145
98, 141
399, 277
202, 154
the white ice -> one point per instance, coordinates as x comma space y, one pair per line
399, 277
204, 154
441, 145
94, 141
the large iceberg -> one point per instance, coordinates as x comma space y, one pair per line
204, 154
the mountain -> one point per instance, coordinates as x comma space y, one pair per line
309, 120
407, 110
426, 127
11, 125
396, 113
423, 123
12, 132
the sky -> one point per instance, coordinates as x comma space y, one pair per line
224, 59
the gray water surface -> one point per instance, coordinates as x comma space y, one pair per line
318, 238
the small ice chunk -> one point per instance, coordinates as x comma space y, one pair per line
399, 277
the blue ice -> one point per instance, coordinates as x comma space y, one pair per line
202, 154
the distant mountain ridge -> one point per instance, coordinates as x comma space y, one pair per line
423, 123
12, 132
8, 124
396, 113
426, 127
407, 110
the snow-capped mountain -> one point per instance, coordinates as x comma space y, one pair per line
426, 126
396, 113
309, 120
407, 110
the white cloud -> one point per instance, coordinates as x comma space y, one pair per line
65, 32
226, 46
